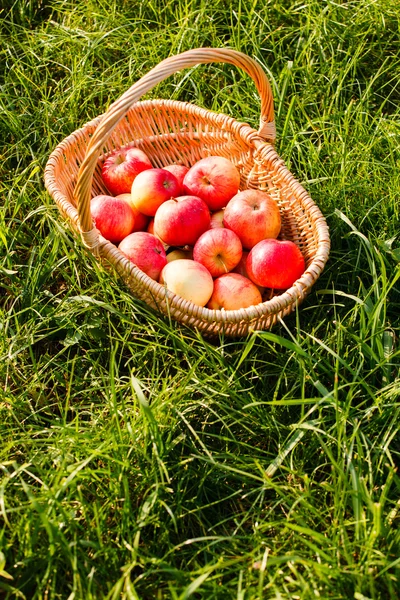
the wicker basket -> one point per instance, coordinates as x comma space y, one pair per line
170, 131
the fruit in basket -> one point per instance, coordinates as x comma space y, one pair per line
275, 264
113, 217
188, 279
219, 250
141, 220
217, 219
241, 269
179, 171
232, 291
254, 216
215, 179
121, 167
180, 221
178, 253
145, 251
151, 188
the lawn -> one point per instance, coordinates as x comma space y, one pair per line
138, 459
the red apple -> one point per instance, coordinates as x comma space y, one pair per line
275, 264
141, 220
145, 251
188, 279
217, 219
179, 171
180, 221
254, 216
151, 188
232, 292
121, 167
219, 250
241, 269
113, 217
215, 179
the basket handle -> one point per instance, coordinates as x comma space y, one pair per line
119, 109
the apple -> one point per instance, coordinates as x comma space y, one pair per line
232, 291
151, 188
150, 229
254, 216
179, 171
241, 266
145, 251
113, 217
179, 253
121, 167
215, 179
217, 219
241, 269
150, 226
141, 220
275, 264
188, 279
219, 250
180, 221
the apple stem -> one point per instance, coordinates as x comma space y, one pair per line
223, 263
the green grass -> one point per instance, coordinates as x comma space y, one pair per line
138, 460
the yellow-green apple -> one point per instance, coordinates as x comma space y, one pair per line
275, 264
180, 221
219, 250
151, 188
232, 291
121, 167
178, 253
145, 251
141, 220
179, 171
113, 217
189, 280
217, 219
254, 216
215, 179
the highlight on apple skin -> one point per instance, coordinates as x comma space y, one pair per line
275, 264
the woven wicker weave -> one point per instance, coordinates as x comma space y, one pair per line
170, 131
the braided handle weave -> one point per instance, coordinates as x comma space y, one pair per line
164, 69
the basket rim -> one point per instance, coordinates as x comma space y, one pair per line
292, 296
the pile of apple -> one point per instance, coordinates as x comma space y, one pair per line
192, 230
